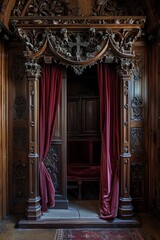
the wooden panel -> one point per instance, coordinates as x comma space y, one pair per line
73, 115
90, 115
139, 189
18, 132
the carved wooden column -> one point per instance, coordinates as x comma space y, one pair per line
125, 205
33, 210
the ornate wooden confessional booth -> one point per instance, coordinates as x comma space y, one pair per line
58, 32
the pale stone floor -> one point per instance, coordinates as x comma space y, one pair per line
86, 209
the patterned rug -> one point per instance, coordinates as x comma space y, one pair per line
98, 234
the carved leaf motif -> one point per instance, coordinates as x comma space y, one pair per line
41, 8
110, 8
137, 106
117, 8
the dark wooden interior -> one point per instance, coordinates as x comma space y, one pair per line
25, 42
83, 128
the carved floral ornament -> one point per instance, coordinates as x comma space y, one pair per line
79, 48
65, 8
49, 31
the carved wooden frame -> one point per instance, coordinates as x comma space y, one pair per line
117, 36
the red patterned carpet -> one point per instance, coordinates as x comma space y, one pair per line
97, 234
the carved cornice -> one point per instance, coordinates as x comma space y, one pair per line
79, 22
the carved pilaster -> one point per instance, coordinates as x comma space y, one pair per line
33, 210
125, 205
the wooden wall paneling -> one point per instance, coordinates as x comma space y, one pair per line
139, 160
3, 132
17, 132
90, 115
73, 116
152, 117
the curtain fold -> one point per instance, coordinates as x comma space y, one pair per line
50, 91
110, 140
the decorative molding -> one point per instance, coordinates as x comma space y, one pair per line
137, 107
137, 141
94, 21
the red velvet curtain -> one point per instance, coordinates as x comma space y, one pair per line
110, 140
50, 90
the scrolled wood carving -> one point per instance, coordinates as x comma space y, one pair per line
34, 41
137, 106
77, 47
80, 48
40, 8
110, 8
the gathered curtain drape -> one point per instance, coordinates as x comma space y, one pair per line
50, 91
110, 140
